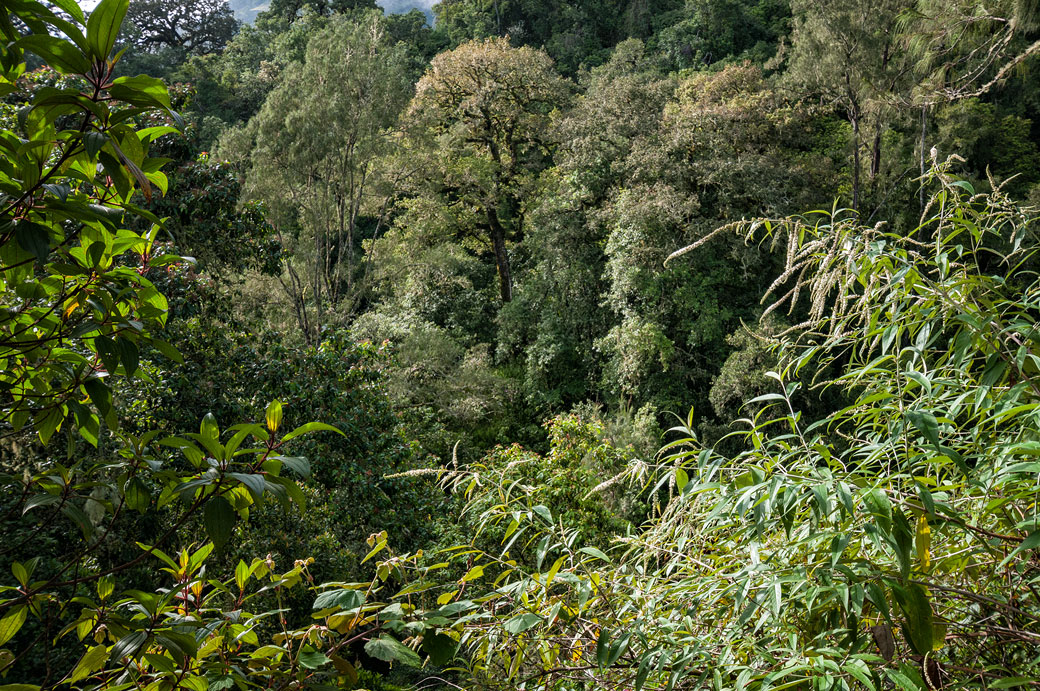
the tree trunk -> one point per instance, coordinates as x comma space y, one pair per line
875, 155
924, 134
855, 115
498, 242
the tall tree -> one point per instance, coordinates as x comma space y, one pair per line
853, 55
312, 162
480, 118
194, 26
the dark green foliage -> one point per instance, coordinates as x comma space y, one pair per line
340, 382
991, 143
291, 10
205, 215
575, 34
414, 31
703, 33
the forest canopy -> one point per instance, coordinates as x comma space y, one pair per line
599, 344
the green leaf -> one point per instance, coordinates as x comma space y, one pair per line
543, 512
136, 494
40, 500
1009, 682
33, 238
901, 680
388, 649
473, 574
103, 26
13, 621
61, 55
311, 427
554, 569
101, 396
298, 464
642, 673
593, 552
603, 647
208, 427
313, 659
254, 483
219, 517
128, 645
77, 516
342, 599
617, 649
93, 142
913, 600
142, 91
108, 351
128, 354
91, 662
880, 506
274, 415
926, 424
859, 670
521, 623
440, 647
72, 7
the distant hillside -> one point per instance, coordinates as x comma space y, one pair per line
246, 10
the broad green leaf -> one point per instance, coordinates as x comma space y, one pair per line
91, 662
219, 517
103, 26
142, 90
926, 424
311, 427
342, 599
128, 645
521, 623
917, 609
440, 647
12, 622
137, 496
389, 649
62, 55
313, 659
543, 512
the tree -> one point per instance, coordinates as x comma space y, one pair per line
728, 146
197, 27
316, 140
705, 32
479, 118
576, 34
290, 10
881, 64
559, 312
855, 55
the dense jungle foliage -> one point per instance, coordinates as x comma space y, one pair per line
558, 346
